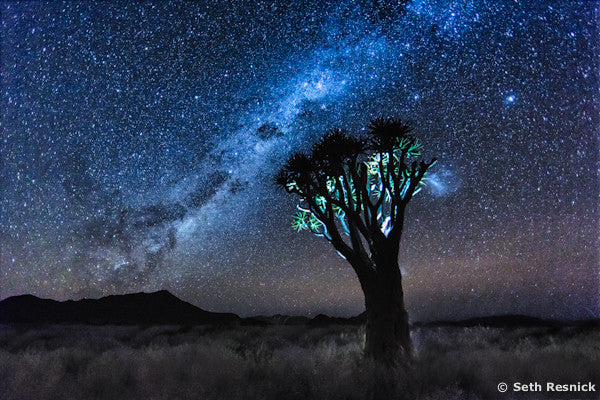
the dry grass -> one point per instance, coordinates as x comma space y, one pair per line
171, 362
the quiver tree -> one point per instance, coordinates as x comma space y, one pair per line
354, 192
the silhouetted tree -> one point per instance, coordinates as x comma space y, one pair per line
354, 192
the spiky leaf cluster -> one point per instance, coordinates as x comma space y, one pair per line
306, 220
390, 134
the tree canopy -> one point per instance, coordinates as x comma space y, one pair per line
354, 189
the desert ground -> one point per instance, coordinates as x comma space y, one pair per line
285, 362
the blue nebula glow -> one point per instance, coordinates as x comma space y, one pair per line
442, 183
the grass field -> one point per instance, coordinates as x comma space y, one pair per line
285, 362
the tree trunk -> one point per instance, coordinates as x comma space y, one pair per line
387, 328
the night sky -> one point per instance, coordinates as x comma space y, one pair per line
139, 144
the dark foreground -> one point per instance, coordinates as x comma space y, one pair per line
288, 362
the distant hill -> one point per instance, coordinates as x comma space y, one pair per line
510, 320
323, 320
158, 308
163, 308
276, 319
495, 321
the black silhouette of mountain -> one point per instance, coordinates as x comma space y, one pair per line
324, 320
277, 319
163, 308
511, 320
158, 308
496, 321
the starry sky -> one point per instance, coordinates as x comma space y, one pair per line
139, 143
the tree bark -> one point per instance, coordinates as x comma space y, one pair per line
387, 329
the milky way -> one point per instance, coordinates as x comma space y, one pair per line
139, 144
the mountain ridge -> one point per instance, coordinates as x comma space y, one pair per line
155, 308
164, 308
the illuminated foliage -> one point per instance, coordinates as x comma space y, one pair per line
356, 186
300, 221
